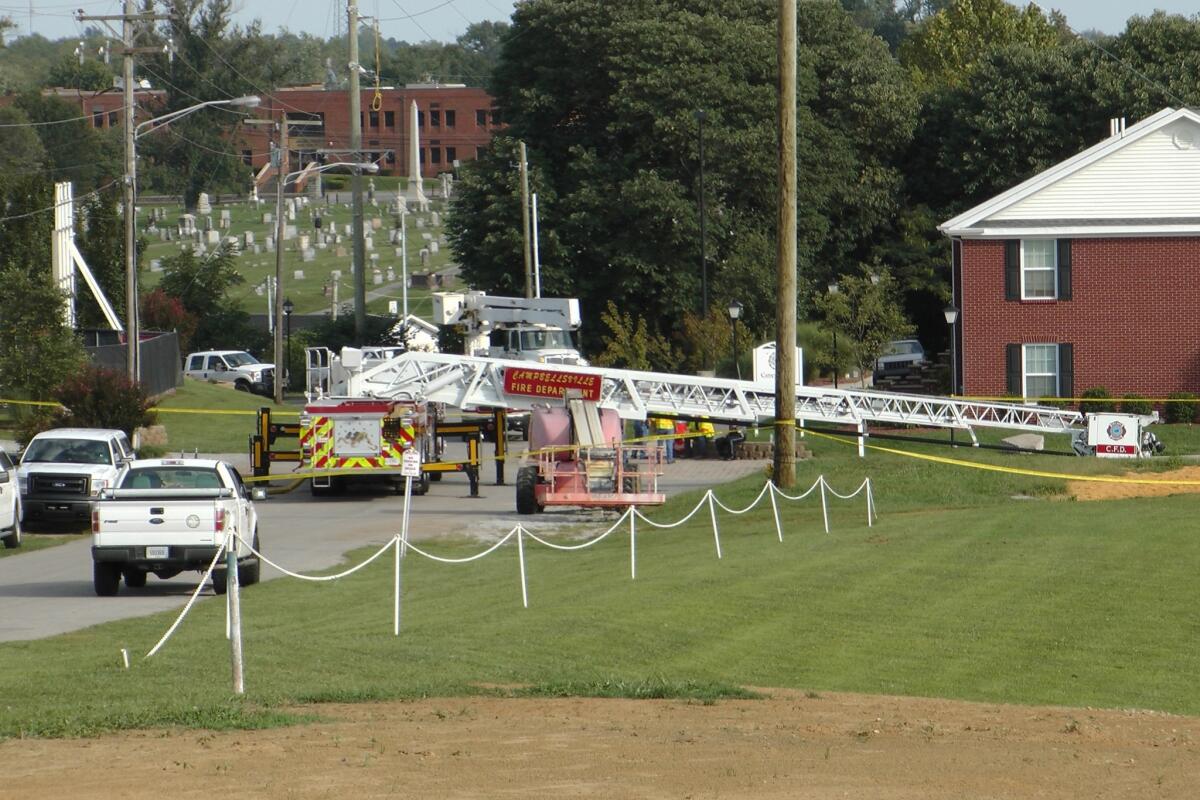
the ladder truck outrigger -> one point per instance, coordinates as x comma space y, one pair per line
488, 383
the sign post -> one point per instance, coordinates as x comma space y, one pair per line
410, 467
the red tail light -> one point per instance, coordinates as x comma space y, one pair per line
219, 521
95, 521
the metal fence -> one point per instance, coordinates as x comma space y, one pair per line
161, 361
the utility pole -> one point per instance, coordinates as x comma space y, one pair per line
128, 51
277, 312
785, 305
132, 329
525, 224
356, 229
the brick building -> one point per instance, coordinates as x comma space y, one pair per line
1088, 274
454, 122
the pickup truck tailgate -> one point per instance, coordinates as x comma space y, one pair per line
119, 523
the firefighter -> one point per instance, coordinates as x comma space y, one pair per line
665, 430
704, 442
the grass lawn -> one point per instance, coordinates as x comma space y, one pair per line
958, 591
226, 423
35, 541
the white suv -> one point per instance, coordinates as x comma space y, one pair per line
238, 367
64, 469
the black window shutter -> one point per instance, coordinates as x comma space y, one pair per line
1012, 269
1064, 269
1066, 370
1012, 354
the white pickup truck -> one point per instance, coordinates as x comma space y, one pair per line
168, 515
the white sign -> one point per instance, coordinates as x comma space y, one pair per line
410, 463
764, 364
1115, 435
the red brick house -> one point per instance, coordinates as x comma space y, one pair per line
1088, 274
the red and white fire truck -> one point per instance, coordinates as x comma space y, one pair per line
346, 439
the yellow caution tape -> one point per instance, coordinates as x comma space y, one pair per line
1010, 470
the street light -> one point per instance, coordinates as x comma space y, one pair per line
288, 308
131, 283
833, 289
282, 181
735, 312
702, 115
951, 314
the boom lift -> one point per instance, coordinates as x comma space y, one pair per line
525, 329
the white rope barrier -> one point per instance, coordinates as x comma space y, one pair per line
766, 488
475, 557
188, 606
553, 546
632, 513
318, 578
690, 514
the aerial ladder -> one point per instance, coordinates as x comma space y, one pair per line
484, 383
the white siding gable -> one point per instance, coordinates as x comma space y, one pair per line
1156, 177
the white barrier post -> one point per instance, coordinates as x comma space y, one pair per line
712, 510
824, 505
862, 442
521, 556
235, 614
775, 510
396, 611
870, 505
632, 543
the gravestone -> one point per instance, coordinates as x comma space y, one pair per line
226, 218
212, 237
336, 274
391, 274
298, 275
376, 277
399, 252
202, 204
266, 219
289, 232
376, 223
420, 222
309, 255
434, 219
433, 248
340, 252
248, 238
303, 243
155, 265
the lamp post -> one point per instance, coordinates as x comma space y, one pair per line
288, 308
702, 115
951, 314
279, 310
132, 134
833, 289
735, 312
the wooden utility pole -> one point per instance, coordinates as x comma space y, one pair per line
525, 224
785, 304
281, 367
356, 229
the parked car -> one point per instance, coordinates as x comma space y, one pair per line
10, 502
64, 469
900, 358
244, 371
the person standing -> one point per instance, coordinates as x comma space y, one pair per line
664, 429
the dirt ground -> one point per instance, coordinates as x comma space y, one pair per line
1097, 490
792, 745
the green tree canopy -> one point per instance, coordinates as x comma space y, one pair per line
605, 95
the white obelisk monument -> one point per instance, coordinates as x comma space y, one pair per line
415, 194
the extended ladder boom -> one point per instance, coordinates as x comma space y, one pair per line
475, 382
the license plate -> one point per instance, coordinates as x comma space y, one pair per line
161, 551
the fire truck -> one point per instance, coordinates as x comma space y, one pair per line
345, 439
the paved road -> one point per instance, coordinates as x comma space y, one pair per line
47, 592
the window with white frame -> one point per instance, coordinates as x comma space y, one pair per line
1039, 269
1040, 370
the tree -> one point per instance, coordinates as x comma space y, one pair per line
89, 76
605, 94
37, 350
74, 150
631, 345
162, 312
201, 283
1154, 63
101, 241
867, 313
21, 151
946, 47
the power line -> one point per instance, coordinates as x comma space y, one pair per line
92, 193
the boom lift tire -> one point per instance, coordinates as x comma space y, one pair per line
527, 490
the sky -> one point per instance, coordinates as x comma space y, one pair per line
444, 20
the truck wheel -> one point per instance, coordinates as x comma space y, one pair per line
106, 577
527, 490
248, 573
134, 578
242, 386
421, 484
220, 585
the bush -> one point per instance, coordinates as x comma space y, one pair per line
1136, 404
1098, 401
102, 398
1184, 411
